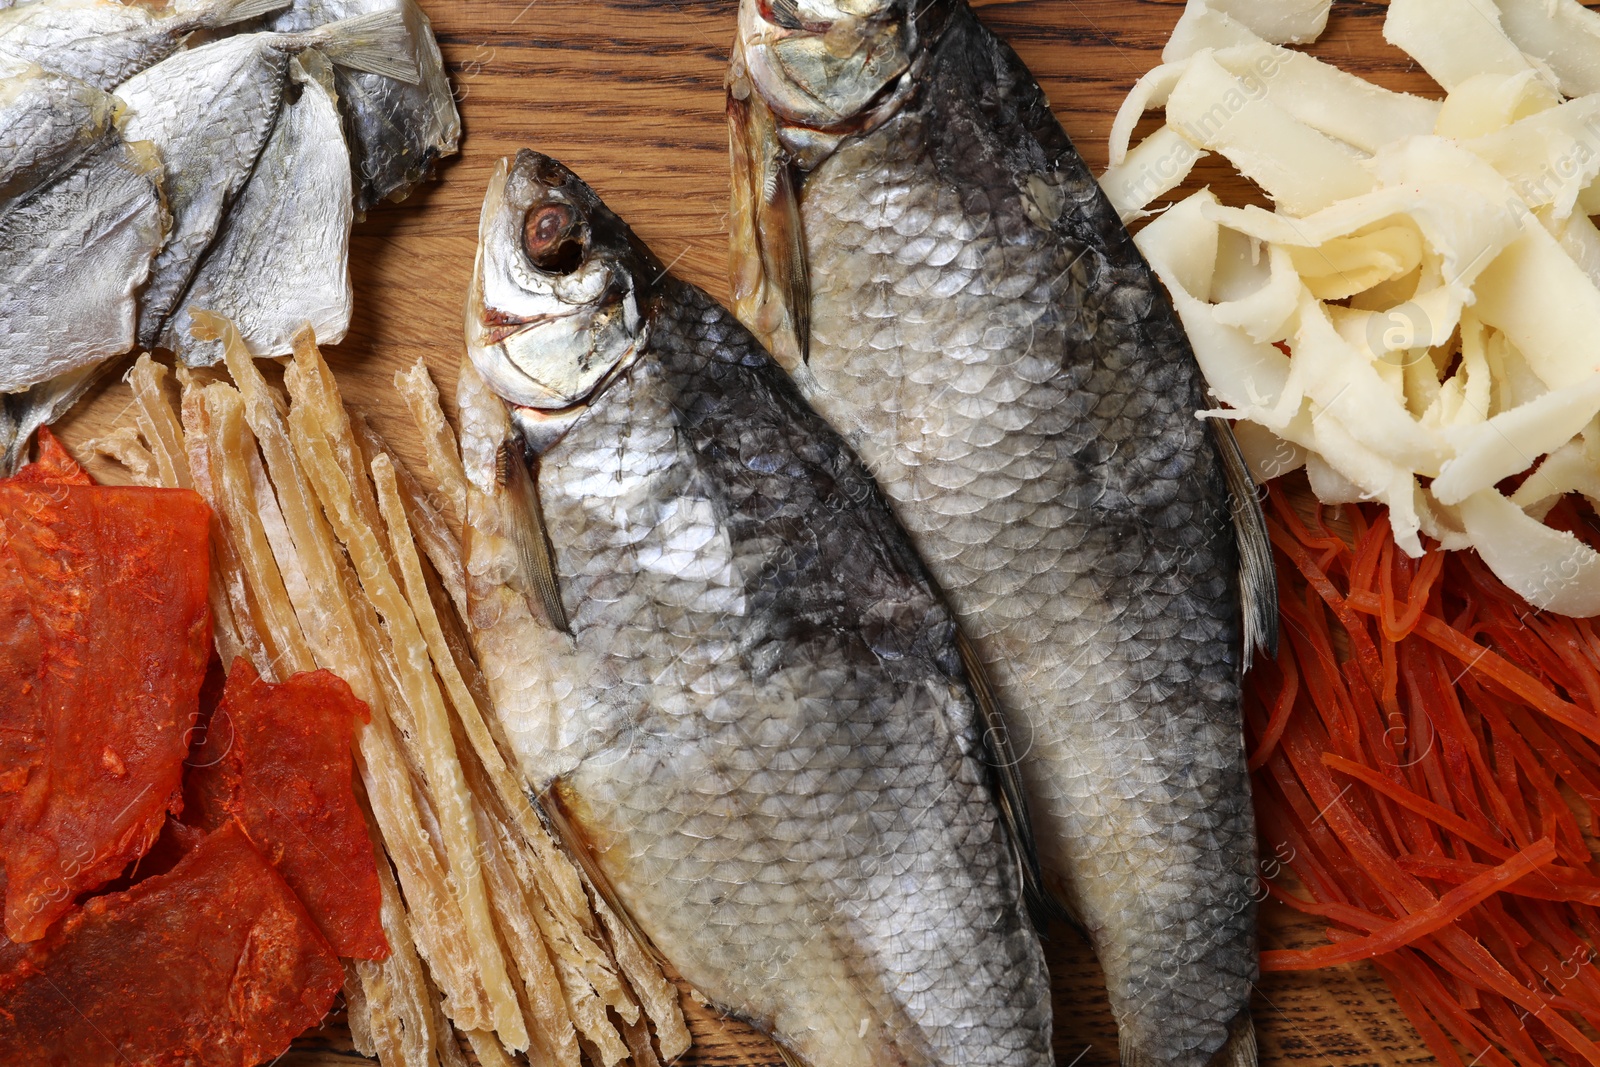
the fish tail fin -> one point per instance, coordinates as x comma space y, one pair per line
228, 12
378, 43
1240, 1051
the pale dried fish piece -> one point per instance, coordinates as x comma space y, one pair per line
416, 388
122, 444
47, 122
229, 593
397, 130
348, 640
76, 251
657, 996
158, 423
239, 506
441, 544
105, 42
400, 1022
281, 258
211, 111
435, 744
314, 397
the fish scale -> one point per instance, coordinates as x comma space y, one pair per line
759, 726
984, 333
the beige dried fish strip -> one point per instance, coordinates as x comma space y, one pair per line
123, 445
349, 642
358, 1011
158, 422
230, 440
401, 1019
555, 1040
229, 593
487, 1049
310, 390
439, 541
416, 388
658, 996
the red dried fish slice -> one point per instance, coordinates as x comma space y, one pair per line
113, 586
289, 771
55, 465
214, 964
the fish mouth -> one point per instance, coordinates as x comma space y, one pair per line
838, 77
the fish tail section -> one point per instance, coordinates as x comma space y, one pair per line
1240, 1051
378, 43
229, 12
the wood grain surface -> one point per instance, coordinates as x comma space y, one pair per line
629, 94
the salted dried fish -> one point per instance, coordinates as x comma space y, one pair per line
73, 253
21, 414
397, 130
104, 42
929, 256
280, 259
211, 111
47, 122
758, 718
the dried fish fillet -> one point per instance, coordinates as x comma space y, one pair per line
23, 413
105, 42
47, 122
397, 130
211, 112
75, 251
280, 260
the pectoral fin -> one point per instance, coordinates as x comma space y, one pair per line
1009, 792
1258, 580
771, 286
577, 848
535, 559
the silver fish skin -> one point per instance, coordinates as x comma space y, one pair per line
398, 131
211, 111
104, 42
21, 414
920, 244
73, 254
756, 723
47, 122
281, 257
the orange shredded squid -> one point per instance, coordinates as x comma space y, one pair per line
1425, 752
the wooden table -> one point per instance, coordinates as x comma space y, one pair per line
629, 94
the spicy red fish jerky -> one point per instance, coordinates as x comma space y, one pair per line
104, 591
290, 783
214, 964
54, 465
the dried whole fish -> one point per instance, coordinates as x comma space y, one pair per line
211, 110
922, 247
397, 130
104, 42
281, 258
21, 414
47, 122
75, 251
758, 732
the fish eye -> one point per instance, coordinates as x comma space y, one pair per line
553, 240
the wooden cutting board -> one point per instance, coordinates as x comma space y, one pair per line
629, 94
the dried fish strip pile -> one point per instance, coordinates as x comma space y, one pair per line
496, 932
148, 172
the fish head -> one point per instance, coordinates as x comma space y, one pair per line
559, 291
825, 64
